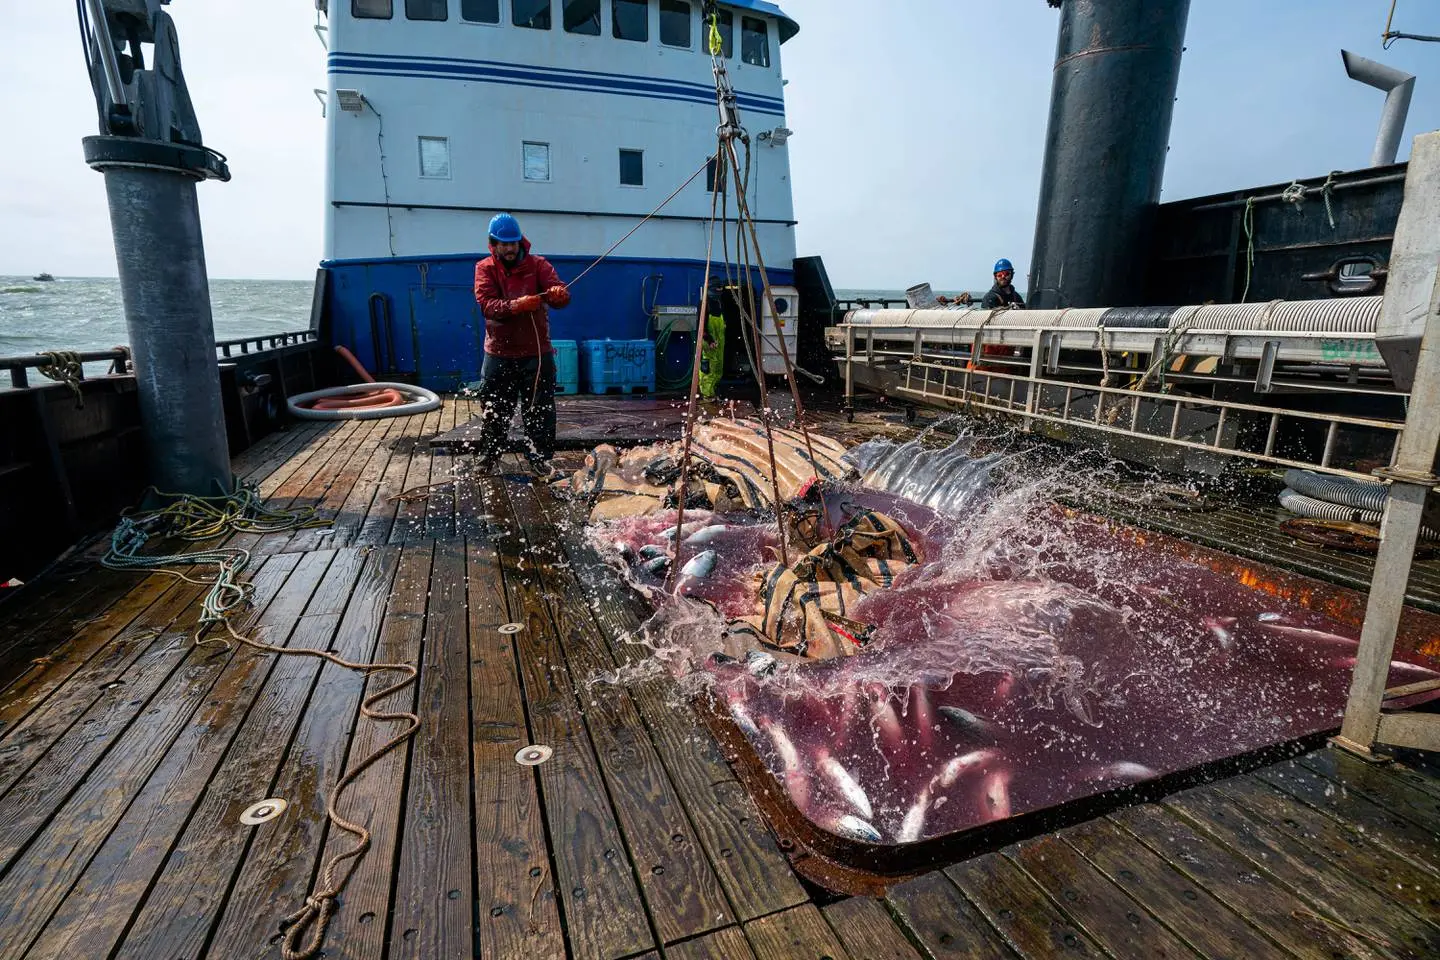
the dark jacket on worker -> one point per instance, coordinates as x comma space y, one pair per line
507, 333
1006, 296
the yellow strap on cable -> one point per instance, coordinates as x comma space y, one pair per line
717, 42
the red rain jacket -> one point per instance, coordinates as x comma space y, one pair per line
508, 333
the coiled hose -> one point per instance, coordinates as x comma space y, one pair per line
1339, 490
1306, 506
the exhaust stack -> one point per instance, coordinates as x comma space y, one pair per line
1398, 86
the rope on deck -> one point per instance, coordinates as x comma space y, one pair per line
203, 518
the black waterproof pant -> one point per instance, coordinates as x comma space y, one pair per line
506, 382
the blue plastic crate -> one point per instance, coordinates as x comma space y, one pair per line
567, 366
617, 366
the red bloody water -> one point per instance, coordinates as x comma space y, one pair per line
1032, 659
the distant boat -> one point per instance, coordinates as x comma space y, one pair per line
43, 277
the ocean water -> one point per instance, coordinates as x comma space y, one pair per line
86, 313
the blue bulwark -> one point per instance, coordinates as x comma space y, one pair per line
529, 75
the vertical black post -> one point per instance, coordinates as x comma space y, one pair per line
1117, 66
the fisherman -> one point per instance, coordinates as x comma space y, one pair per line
712, 349
1003, 294
513, 287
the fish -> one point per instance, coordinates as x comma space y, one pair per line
883, 717
924, 715
693, 527
623, 548
852, 827
706, 534
958, 766
701, 565
1003, 687
1312, 636
843, 783
969, 723
1269, 617
1223, 630
760, 663
797, 784
652, 551
997, 794
914, 822
1126, 771
655, 565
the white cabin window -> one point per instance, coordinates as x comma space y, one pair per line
632, 168
582, 16
675, 27
534, 14
632, 19
372, 9
435, 158
755, 41
536, 158
427, 9
480, 11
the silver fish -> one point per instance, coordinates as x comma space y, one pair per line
701, 565
997, 794
958, 766
914, 822
623, 548
1269, 617
652, 551
759, 663
854, 828
968, 722
706, 534
1130, 771
843, 783
884, 717
743, 720
655, 565
1223, 630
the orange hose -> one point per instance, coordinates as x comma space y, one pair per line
356, 365
376, 399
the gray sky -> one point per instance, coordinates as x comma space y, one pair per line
918, 135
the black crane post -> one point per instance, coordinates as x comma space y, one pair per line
151, 155
1117, 66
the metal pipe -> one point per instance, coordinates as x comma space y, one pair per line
1117, 68
109, 65
1399, 86
1271, 197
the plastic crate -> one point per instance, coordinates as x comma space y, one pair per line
617, 366
567, 366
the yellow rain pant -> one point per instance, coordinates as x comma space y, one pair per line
712, 356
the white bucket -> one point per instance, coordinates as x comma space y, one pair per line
921, 297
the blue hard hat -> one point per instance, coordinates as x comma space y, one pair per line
1001, 264
505, 229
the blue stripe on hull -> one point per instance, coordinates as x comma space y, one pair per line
496, 71
433, 333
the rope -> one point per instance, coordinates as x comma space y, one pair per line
201, 518
1325, 191
64, 366
1249, 222
1295, 193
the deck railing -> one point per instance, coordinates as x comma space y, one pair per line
119, 357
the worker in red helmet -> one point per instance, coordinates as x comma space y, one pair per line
514, 287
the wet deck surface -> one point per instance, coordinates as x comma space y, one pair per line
127, 755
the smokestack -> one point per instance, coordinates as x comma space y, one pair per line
1398, 86
1117, 66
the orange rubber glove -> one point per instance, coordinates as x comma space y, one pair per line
557, 296
526, 304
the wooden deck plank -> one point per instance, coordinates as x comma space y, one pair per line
410, 515
941, 920
1380, 784
1399, 834
1016, 907
1273, 908
183, 903
516, 896
754, 873
311, 494
379, 521
603, 910
434, 900
727, 944
275, 875
1105, 912
676, 879
338, 491
260, 460
351, 514
1349, 851
865, 928
440, 507
308, 455
108, 886
799, 933
109, 634
1293, 865
358, 930
1184, 906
